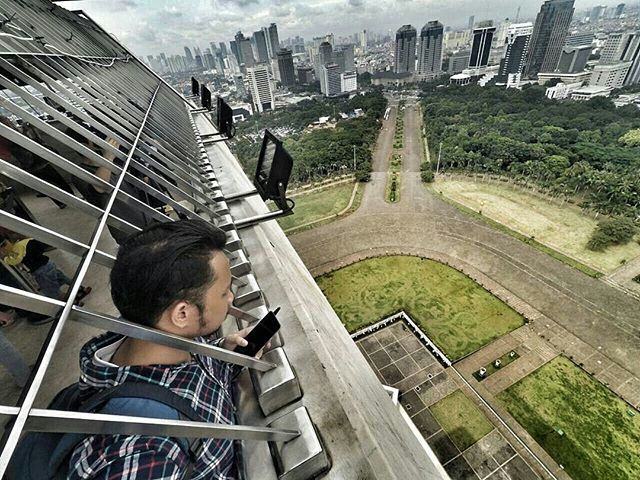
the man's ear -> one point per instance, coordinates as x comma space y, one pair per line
181, 315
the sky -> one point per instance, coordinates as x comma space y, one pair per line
153, 26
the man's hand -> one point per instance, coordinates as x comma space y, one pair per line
237, 340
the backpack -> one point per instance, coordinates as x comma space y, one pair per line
45, 456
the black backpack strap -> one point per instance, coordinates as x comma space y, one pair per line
145, 391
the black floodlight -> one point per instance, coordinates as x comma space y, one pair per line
224, 119
195, 87
205, 97
273, 170
271, 180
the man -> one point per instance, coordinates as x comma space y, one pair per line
173, 277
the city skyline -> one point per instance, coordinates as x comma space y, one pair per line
150, 27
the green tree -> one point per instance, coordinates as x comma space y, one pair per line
612, 231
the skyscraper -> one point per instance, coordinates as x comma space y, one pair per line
574, 59
325, 56
245, 50
261, 46
363, 41
285, 67
273, 42
619, 10
633, 55
260, 87
517, 43
405, 60
234, 50
330, 80
617, 47
223, 49
481, 46
472, 21
597, 13
187, 53
239, 53
430, 50
549, 35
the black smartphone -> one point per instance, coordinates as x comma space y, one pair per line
261, 334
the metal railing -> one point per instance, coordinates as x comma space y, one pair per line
94, 88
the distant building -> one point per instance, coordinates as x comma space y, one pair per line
458, 62
245, 49
405, 59
285, 67
549, 35
515, 53
456, 40
238, 81
188, 54
619, 47
619, 10
481, 46
348, 82
324, 57
223, 49
234, 50
472, 21
391, 78
587, 93
460, 79
574, 59
363, 41
305, 75
260, 88
580, 77
241, 111
344, 57
633, 55
273, 42
579, 39
597, 13
430, 51
610, 75
562, 91
330, 80
261, 46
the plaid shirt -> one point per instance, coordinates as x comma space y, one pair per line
138, 457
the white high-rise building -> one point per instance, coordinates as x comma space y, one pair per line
348, 82
330, 80
610, 75
260, 88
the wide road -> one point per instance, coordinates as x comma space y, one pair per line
422, 224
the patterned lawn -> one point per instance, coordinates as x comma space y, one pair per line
601, 433
461, 419
319, 204
456, 313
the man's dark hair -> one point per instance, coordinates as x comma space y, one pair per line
163, 264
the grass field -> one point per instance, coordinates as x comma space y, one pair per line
461, 419
456, 313
562, 228
600, 438
316, 205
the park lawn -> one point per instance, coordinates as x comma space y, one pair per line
463, 421
316, 205
563, 228
601, 439
453, 310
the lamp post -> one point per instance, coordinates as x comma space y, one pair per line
439, 154
354, 158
